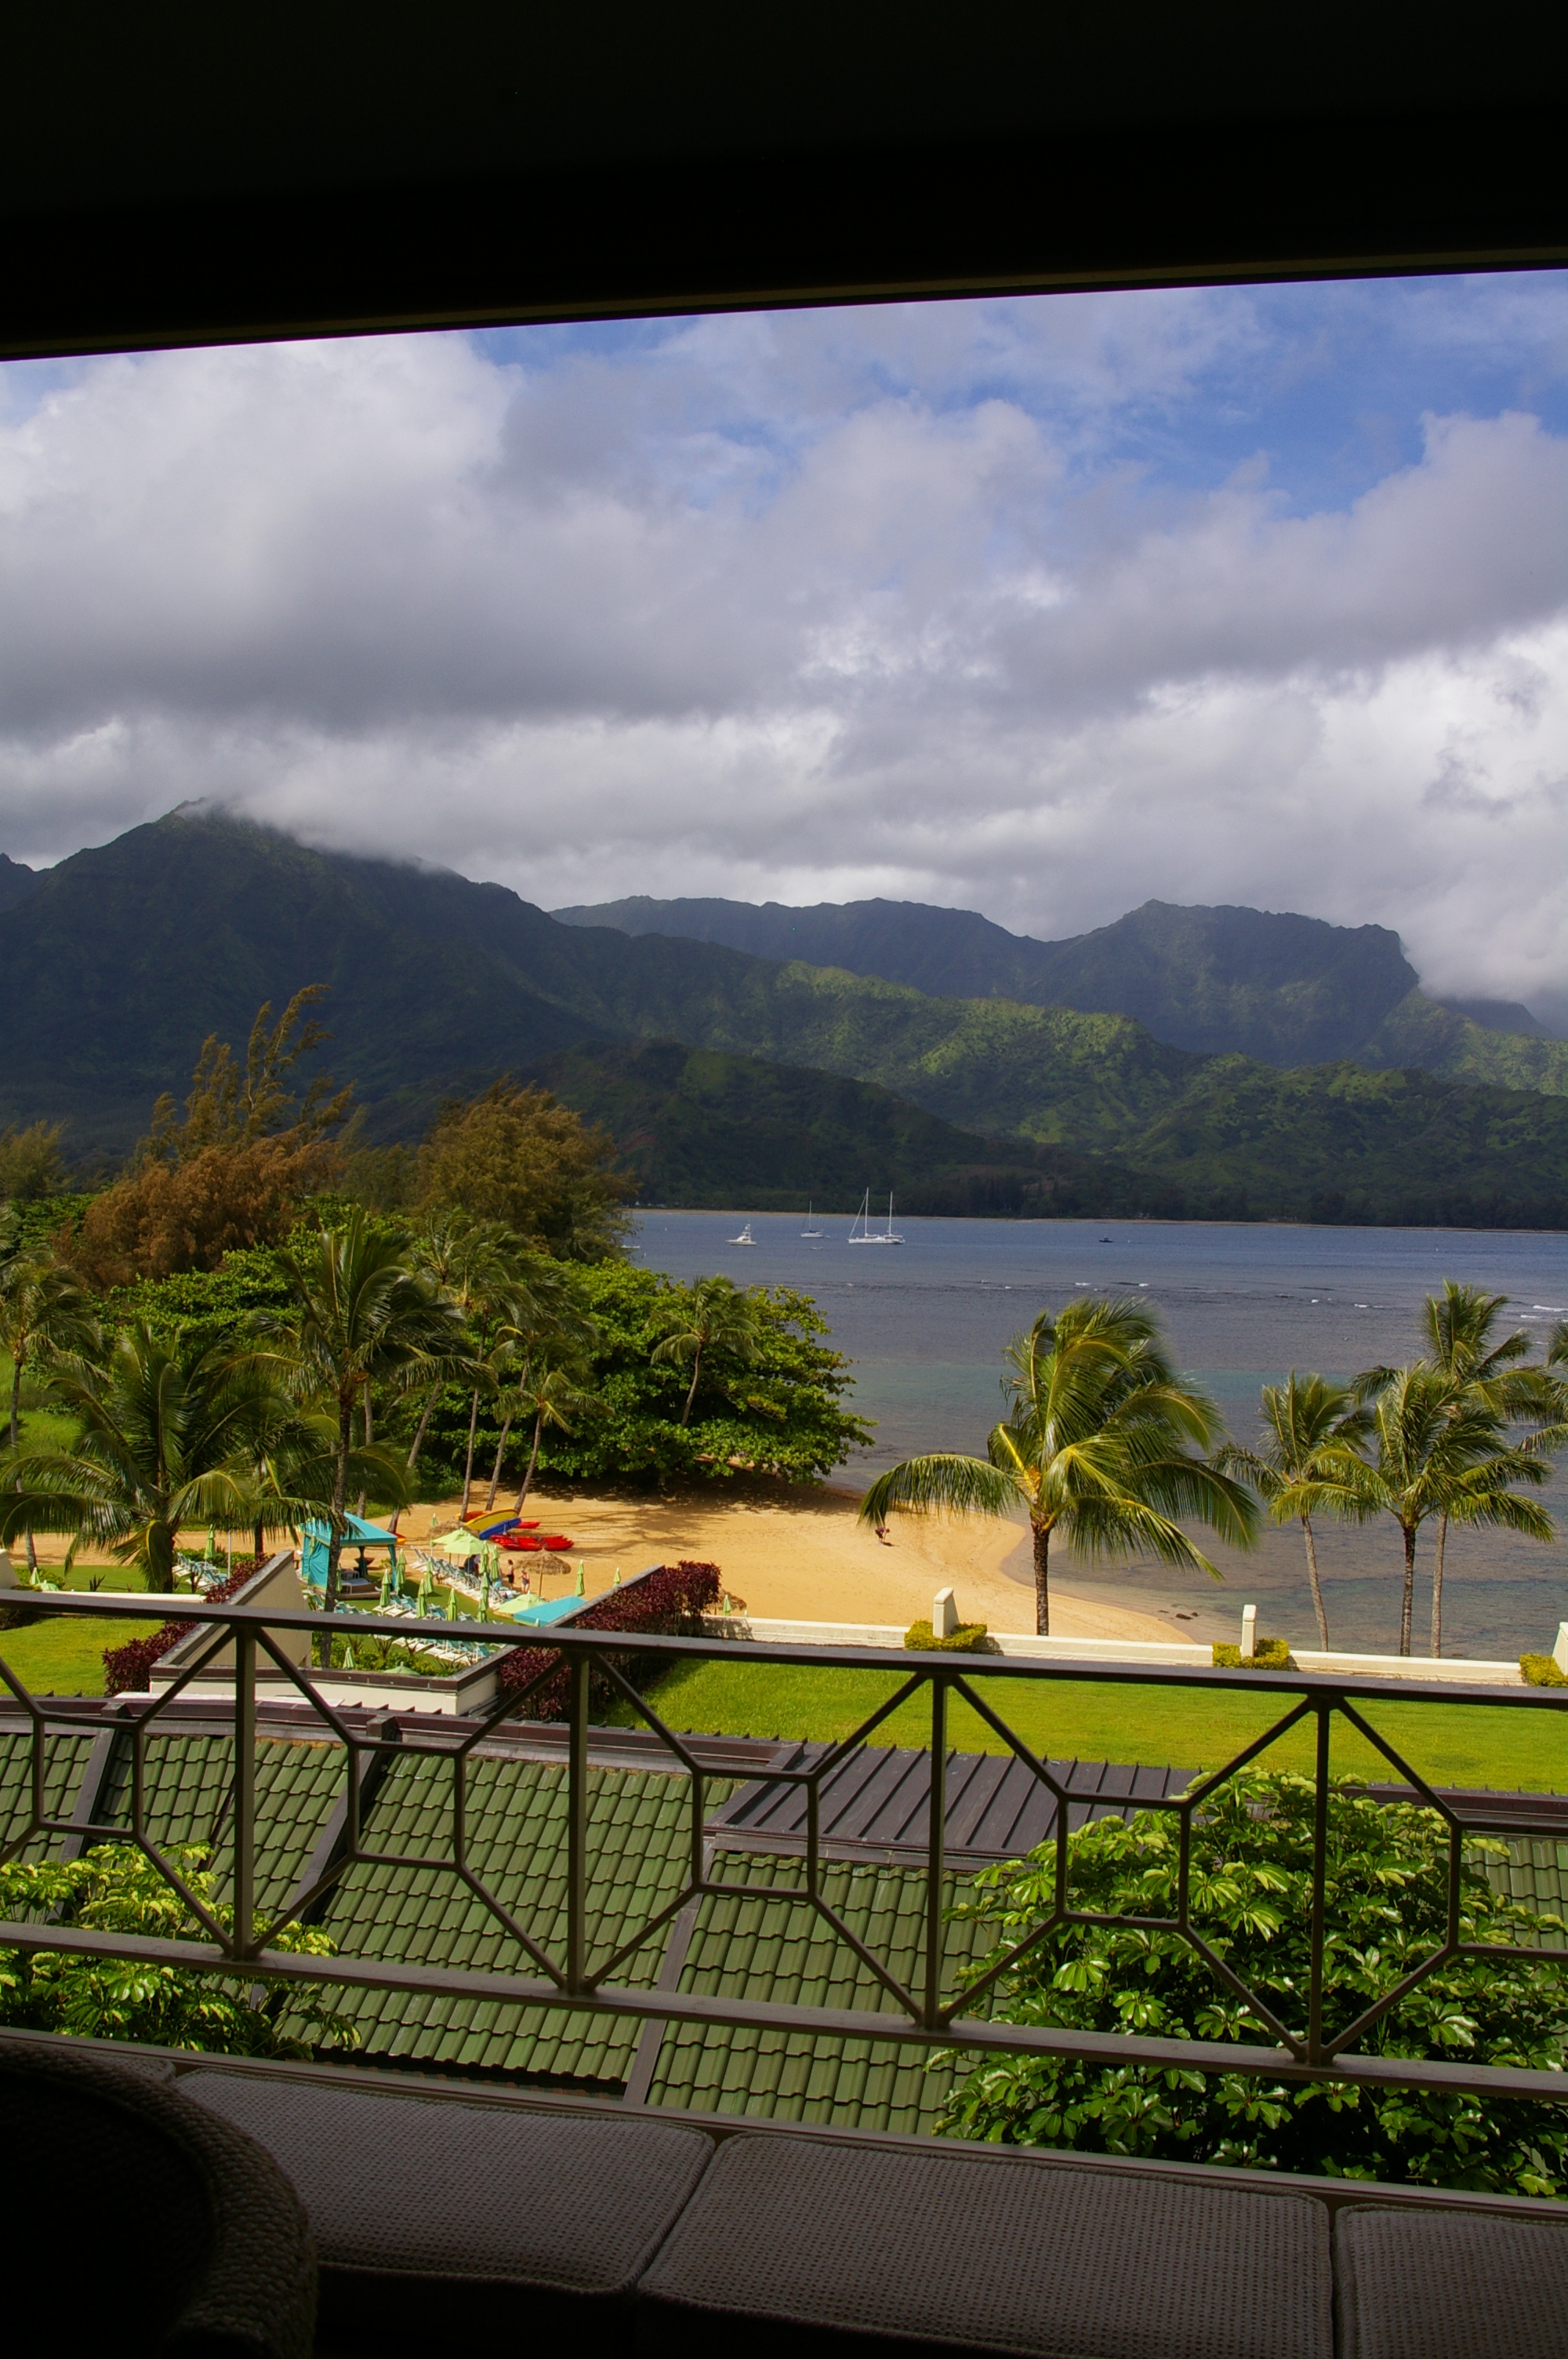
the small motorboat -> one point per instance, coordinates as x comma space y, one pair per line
745, 1237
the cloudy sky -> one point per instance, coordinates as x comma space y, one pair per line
1037, 607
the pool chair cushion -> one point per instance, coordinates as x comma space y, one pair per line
1444, 2284
467, 2223
792, 2243
142, 2222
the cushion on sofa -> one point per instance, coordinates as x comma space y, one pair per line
465, 2222
984, 2251
1446, 2284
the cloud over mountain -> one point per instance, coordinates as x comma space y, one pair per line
1042, 608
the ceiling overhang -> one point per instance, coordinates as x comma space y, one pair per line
181, 175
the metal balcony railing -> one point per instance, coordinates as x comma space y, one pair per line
564, 1975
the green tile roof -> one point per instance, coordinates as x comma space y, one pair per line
781, 1950
638, 1850
65, 1758
188, 1792
1535, 1874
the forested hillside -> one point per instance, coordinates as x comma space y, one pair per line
120, 961
1285, 989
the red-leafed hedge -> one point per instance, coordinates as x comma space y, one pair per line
668, 1601
128, 1669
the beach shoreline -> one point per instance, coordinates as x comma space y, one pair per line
798, 1552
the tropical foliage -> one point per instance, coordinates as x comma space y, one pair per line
168, 1430
1431, 1454
1250, 1881
115, 1889
1102, 1443
356, 1313
1308, 1425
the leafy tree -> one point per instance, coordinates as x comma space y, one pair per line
1303, 1418
233, 1105
30, 1165
1433, 1454
712, 1315
1485, 1377
357, 1311
43, 1308
115, 1889
1101, 1441
233, 1172
781, 1414
513, 1155
168, 1428
1251, 1887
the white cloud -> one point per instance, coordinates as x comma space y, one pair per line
901, 602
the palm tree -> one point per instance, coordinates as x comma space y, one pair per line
44, 1308
1101, 1441
1484, 1377
358, 1312
1433, 1456
502, 1291
1307, 1422
551, 1395
168, 1430
713, 1315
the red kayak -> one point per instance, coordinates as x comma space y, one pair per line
528, 1542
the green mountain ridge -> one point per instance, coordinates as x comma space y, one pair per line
1285, 989
121, 959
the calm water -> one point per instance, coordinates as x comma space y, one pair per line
924, 1324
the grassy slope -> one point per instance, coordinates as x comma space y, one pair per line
1454, 1745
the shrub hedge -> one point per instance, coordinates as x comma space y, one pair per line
1272, 1655
127, 1669
968, 1638
669, 1599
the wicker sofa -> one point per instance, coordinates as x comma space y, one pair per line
453, 2219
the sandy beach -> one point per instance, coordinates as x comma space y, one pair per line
795, 1552
800, 1554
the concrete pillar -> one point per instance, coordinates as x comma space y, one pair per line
944, 1615
1248, 1633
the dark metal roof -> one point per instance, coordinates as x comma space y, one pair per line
878, 1804
178, 173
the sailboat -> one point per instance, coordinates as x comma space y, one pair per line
745, 1237
862, 1233
808, 1230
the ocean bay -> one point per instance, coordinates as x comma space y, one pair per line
924, 1323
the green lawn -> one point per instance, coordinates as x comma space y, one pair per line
65, 1656
1452, 1744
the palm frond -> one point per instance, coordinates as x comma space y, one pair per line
945, 1480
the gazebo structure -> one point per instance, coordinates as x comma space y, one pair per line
354, 1579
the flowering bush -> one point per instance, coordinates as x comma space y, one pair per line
669, 1599
128, 1669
